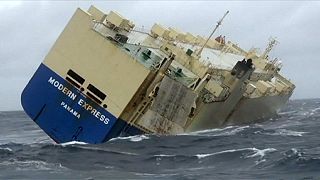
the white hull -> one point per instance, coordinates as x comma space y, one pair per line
248, 110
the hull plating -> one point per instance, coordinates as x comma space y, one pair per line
65, 114
247, 111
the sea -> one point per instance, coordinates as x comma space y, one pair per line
284, 147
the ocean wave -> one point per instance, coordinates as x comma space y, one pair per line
73, 143
285, 132
297, 159
89, 147
135, 138
287, 112
233, 131
313, 112
5, 150
169, 157
70, 147
207, 131
32, 165
154, 175
315, 109
256, 152
107, 150
227, 131
293, 152
261, 153
164, 155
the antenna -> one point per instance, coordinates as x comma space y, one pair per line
271, 44
218, 24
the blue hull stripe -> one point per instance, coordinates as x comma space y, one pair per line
63, 112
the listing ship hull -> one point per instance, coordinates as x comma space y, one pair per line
249, 110
103, 79
261, 108
66, 114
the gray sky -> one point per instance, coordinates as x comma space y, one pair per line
29, 29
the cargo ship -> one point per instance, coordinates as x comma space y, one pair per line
104, 78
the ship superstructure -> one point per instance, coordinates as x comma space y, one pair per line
105, 78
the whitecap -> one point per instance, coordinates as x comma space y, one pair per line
233, 131
315, 109
206, 131
260, 161
73, 143
138, 138
109, 167
287, 112
285, 132
135, 138
295, 152
127, 153
164, 155
200, 156
261, 152
292, 133
32, 165
227, 131
90, 148
153, 175
6, 149
257, 152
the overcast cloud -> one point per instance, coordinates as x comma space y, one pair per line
29, 29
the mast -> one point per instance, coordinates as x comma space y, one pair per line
271, 44
218, 24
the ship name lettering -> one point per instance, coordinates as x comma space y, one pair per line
70, 110
93, 111
62, 88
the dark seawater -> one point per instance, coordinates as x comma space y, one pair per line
286, 147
